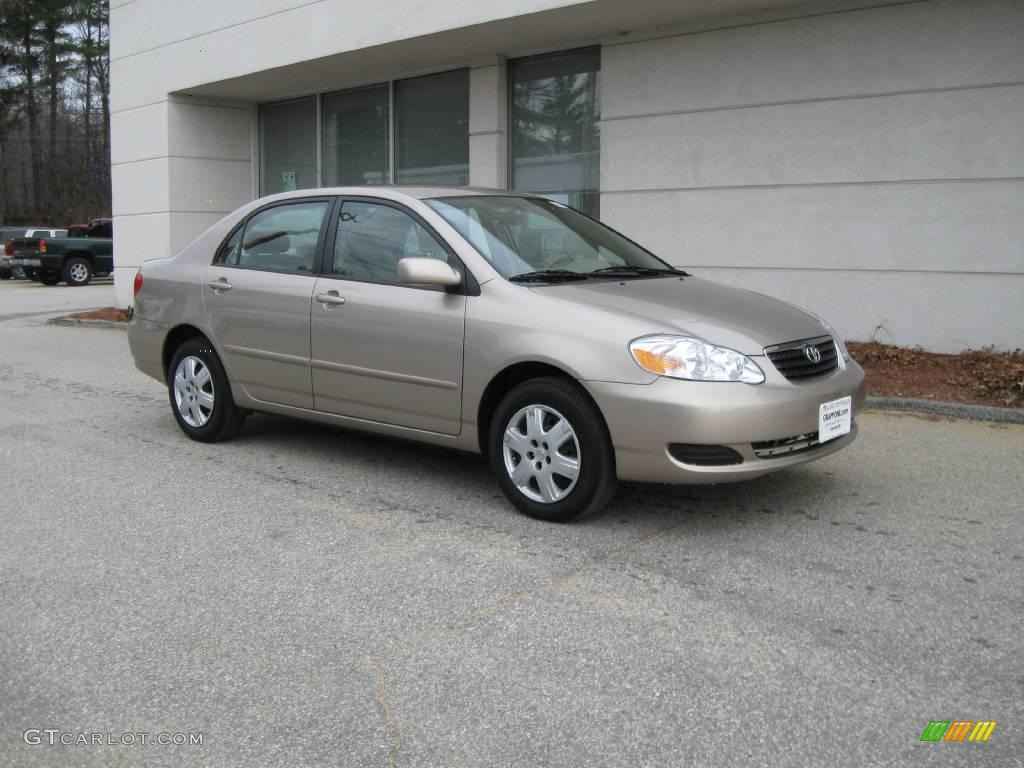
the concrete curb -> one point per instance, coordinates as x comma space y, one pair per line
949, 410
89, 323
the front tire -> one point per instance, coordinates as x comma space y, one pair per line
550, 451
77, 271
6, 275
47, 278
200, 394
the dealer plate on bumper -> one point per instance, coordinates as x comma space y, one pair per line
835, 419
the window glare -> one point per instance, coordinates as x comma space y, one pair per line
521, 234
554, 113
283, 237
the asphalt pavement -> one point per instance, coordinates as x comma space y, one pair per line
21, 299
309, 596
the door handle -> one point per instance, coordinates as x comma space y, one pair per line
219, 285
331, 298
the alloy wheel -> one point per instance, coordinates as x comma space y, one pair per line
79, 272
542, 453
193, 391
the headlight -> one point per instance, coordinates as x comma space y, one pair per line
838, 339
684, 358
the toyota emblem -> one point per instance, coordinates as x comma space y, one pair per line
812, 353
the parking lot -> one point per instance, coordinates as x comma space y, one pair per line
305, 595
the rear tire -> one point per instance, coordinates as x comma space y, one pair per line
200, 394
550, 451
77, 271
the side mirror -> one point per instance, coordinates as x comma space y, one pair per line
418, 270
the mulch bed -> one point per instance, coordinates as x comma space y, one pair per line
107, 313
976, 376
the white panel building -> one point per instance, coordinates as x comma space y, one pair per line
862, 159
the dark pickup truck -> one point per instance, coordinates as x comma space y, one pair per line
76, 259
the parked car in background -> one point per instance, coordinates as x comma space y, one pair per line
7, 237
492, 322
75, 257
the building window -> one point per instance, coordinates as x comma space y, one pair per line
429, 121
432, 129
355, 129
288, 146
554, 113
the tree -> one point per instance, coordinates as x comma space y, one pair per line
54, 111
53, 16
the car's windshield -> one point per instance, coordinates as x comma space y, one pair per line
521, 235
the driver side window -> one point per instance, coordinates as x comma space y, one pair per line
372, 239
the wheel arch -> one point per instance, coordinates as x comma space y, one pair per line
174, 339
504, 381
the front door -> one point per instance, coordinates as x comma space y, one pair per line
382, 351
257, 296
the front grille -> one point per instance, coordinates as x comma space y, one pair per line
786, 446
704, 455
792, 360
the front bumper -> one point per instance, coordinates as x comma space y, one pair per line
644, 419
37, 262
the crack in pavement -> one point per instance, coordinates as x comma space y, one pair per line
375, 659
381, 697
427, 635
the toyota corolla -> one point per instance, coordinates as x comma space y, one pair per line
488, 321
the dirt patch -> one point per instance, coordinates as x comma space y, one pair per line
977, 376
113, 314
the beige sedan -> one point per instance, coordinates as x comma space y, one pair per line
492, 322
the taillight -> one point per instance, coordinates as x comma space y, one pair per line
42, 246
138, 283
9, 248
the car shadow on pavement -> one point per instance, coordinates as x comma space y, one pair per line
399, 466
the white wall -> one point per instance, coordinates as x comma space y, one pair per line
867, 164
180, 163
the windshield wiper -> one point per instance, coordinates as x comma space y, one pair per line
626, 269
542, 275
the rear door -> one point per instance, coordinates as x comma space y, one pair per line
382, 351
257, 296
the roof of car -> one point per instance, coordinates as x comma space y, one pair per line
421, 192
428, 192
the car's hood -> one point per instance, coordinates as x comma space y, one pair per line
729, 317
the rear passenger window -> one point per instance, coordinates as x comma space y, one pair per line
282, 238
